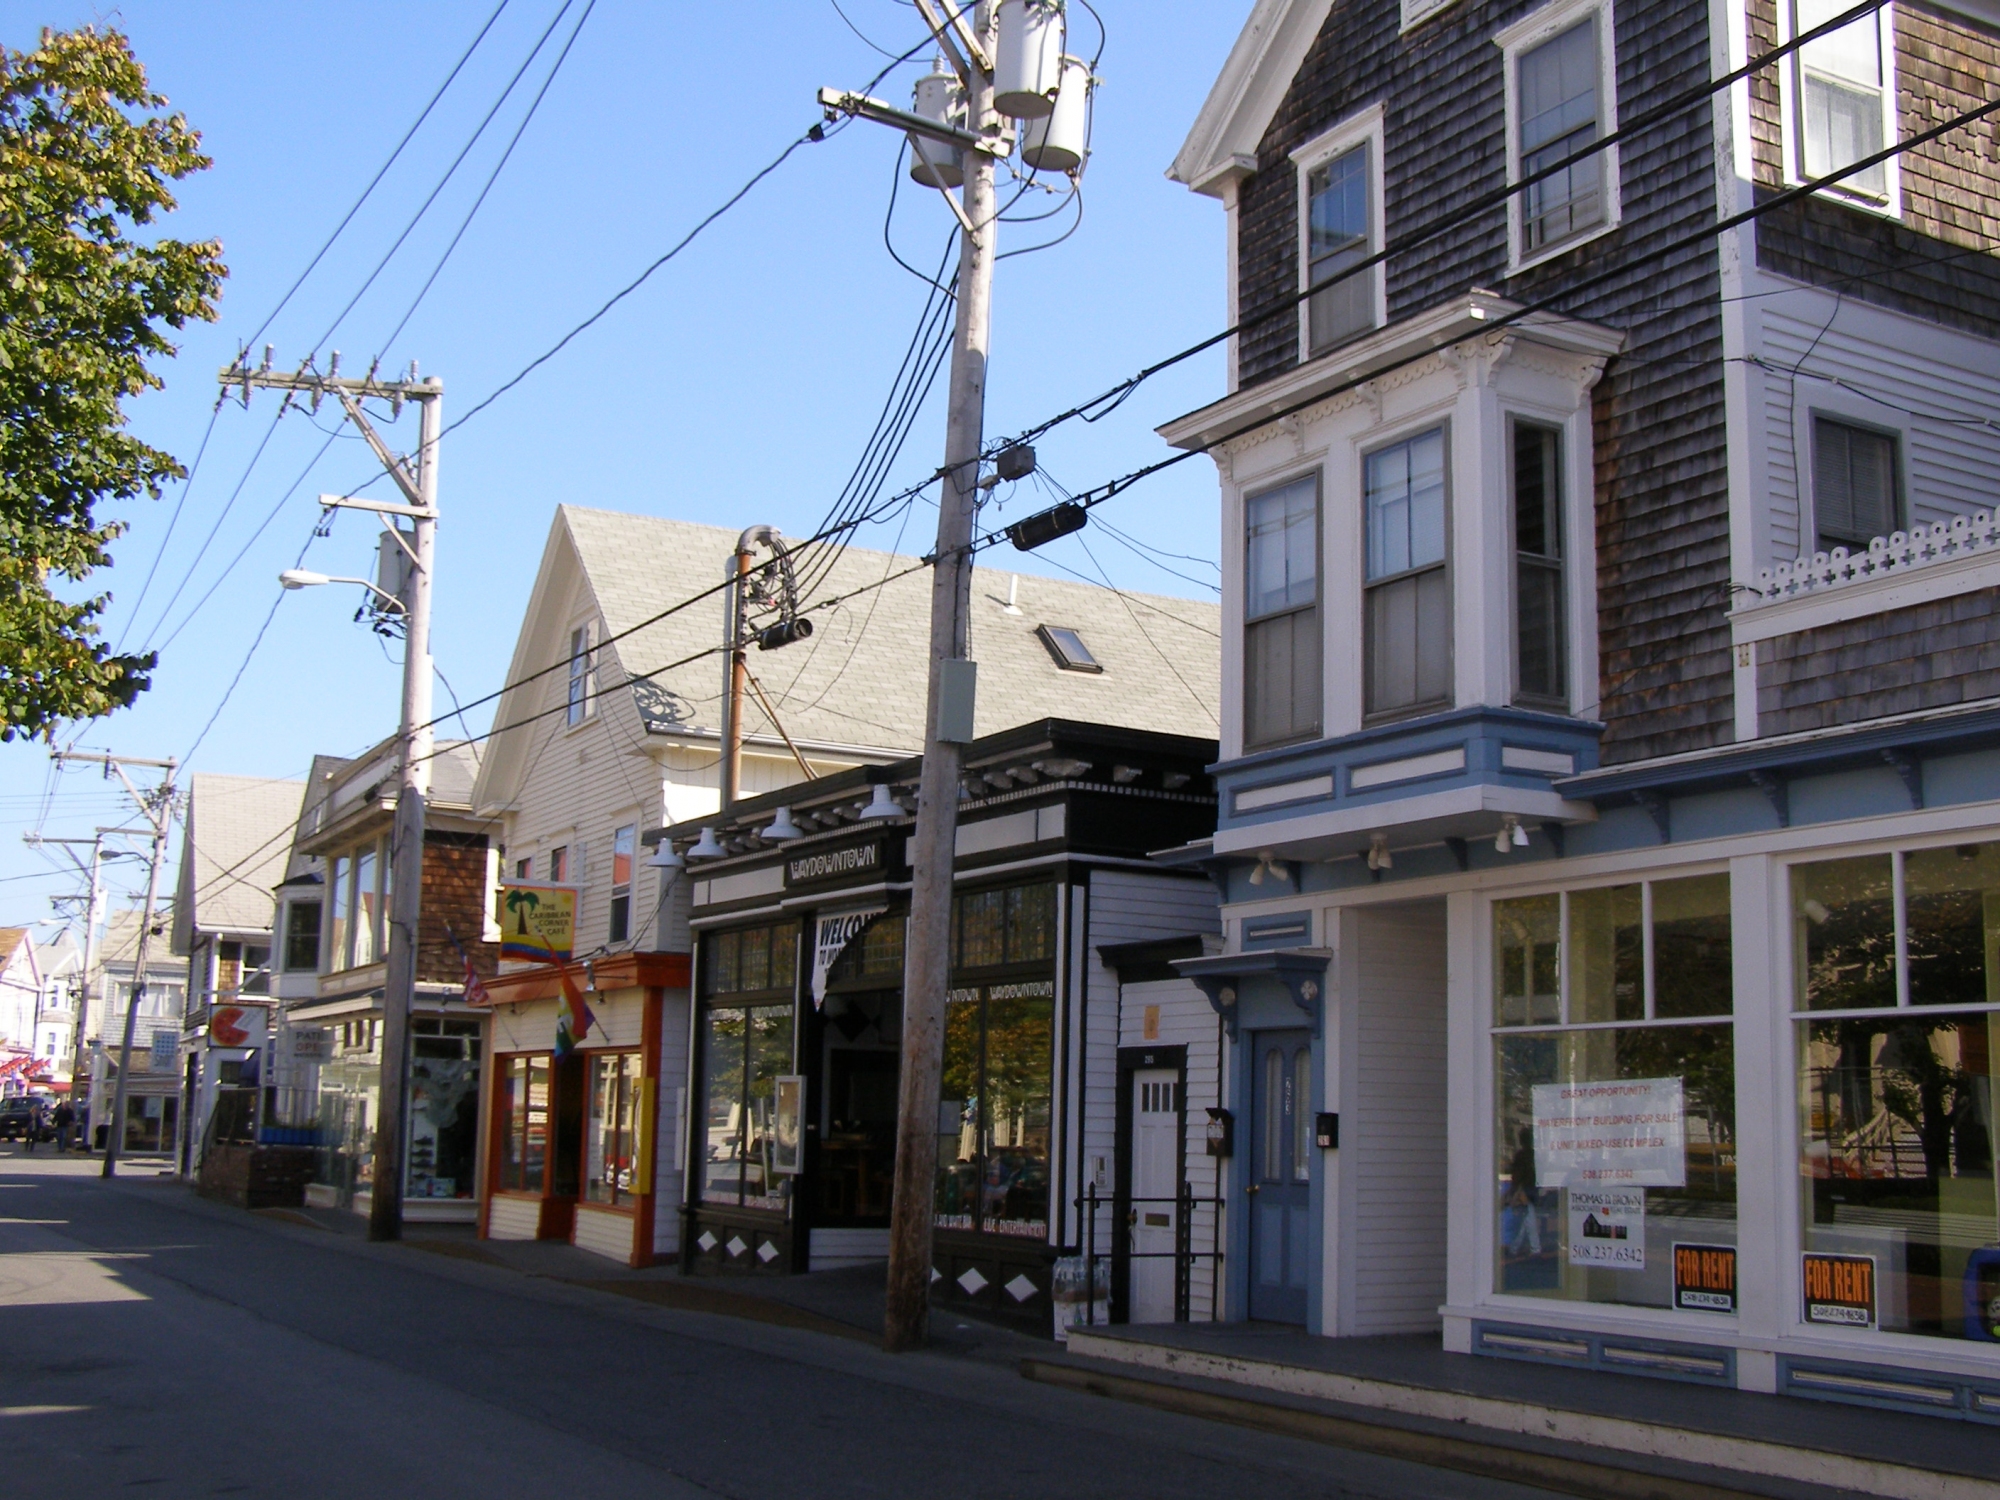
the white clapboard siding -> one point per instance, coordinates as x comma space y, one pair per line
1398, 1140
603, 1232
526, 1026
1953, 466
667, 1136
513, 1218
1126, 906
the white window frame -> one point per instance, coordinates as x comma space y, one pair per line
1262, 486
1528, 32
1813, 398
578, 713
1437, 419
1789, 104
1416, 12
1365, 128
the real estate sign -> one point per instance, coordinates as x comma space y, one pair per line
1629, 1132
538, 922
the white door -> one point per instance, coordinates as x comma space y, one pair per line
1156, 1134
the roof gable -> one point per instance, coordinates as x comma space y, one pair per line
238, 837
1222, 144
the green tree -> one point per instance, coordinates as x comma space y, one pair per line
84, 160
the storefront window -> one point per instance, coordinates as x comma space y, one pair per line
876, 953
750, 959
1614, 1137
524, 1112
444, 1107
993, 1120
1896, 1095
1011, 926
610, 1137
744, 1050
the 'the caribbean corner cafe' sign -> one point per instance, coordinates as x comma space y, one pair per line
538, 922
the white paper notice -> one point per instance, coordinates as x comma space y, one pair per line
1630, 1133
1607, 1227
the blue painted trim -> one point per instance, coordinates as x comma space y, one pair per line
1481, 734
1302, 971
1958, 1397
1290, 929
1657, 1359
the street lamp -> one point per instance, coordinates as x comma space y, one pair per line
305, 578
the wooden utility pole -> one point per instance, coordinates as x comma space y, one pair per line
927, 962
413, 602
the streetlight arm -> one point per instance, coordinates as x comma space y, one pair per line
303, 578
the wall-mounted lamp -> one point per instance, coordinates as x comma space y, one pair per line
782, 828
1277, 869
1511, 836
1379, 857
882, 804
664, 857
706, 847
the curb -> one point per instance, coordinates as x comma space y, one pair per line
1485, 1457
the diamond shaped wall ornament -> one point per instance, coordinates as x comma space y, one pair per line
767, 1252
972, 1281
1020, 1289
735, 1246
707, 1241
936, 1274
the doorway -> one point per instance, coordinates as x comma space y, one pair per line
1153, 1215
1280, 1187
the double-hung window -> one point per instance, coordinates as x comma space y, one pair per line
1856, 493
1281, 641
624, 843
1840, 98
582, 700
1407, 608
1539, 601
1337, 240
302, 936
1559, 110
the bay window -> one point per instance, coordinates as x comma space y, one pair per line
302, 936
1281, 632
1896, 987
1407, 608
1615, 1092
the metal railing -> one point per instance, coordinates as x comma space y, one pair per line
1183, 1255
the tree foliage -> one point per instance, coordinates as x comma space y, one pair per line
84, 160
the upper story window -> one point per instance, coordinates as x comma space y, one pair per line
302, 936
1842, 108
1281, 634
559, 863
1407, 609
1856, 488
1560, 99
582, 700
1340, 216
624, 844
1540, 648
360, 894
524, 869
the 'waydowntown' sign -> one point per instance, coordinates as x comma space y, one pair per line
835, 864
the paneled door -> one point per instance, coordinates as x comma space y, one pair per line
1156, 1160
1280, 1174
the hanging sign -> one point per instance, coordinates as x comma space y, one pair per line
1624, 1133
1607, 1227
312, 1043
830, 936
538, 922
1840, 1289
1705, 1278
166, 1050
236, 1026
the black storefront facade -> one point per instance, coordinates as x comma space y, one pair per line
796, 1031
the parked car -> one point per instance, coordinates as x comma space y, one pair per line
25, 1117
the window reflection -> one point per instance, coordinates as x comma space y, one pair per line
744, 1051
1844, 933
993, 1120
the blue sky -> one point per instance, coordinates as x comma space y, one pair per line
736, 386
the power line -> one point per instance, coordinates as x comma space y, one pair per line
180, 500
1491, 325
381, 172
456, 162
492, 177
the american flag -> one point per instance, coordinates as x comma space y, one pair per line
475, 987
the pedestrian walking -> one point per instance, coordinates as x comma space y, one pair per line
65, 1118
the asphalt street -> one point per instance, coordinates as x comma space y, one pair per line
163, 1345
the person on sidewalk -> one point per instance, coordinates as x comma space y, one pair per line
65, 1118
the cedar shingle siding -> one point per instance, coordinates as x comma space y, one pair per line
1944, 65
1929, 656
455, 897
1662, 502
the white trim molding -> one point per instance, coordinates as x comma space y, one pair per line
1938, 561
1362, 129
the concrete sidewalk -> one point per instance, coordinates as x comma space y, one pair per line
1568, 1429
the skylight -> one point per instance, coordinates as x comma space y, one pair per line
1067, 647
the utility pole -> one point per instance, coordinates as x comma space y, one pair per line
93, 903
406, 842
158, 808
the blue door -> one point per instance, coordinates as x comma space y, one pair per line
1280, 1174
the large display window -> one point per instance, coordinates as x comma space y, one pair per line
746, 1028
524, 1127
999, 1061
610, 1130
1896, 989
1615, 1095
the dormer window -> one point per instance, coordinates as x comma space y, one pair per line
1068, 649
